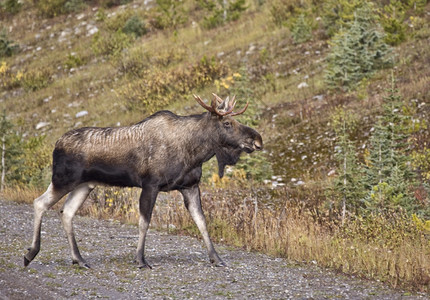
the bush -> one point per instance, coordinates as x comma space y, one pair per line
50, 8
7, 47
26, 162
283, 10
137, 62
72, 6
160, 88
9, 80
36, 79
220, 12
73, 60
421, 162
170, 14
110, 44
36, 157
134, 26
112, 3
10, 6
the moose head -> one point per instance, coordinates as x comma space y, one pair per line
232, 138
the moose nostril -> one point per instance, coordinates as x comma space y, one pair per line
257, 145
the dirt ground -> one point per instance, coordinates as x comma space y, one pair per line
181, 269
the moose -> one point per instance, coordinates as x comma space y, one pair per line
164, 152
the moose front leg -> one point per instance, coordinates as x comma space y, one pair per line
73, 202
146, 205
193, 204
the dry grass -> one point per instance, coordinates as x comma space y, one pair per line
375, 248
21, 194
284, 223
291, 231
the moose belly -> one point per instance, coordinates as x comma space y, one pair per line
181, 180
110, 175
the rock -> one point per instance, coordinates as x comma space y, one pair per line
318, 97
302, 85
81, 114
91, 30
40, 125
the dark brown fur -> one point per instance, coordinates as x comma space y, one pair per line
162, 153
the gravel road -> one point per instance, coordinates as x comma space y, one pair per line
181, 269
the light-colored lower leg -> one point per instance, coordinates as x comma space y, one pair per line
73, 202
41, 204
193, 203
146, 205
140, 255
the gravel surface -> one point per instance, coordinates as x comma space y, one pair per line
181, 268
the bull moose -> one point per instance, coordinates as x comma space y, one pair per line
164, 152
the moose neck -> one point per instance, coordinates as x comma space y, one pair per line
201, 144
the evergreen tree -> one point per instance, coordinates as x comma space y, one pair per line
301, 30
220, 12
347, 186
339, 14
10, 150
357, 52
388, 174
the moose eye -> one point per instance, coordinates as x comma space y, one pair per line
227, 124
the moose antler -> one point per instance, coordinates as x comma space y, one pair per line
221, 107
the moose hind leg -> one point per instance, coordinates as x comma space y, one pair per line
73, 202
41, 204
193, 203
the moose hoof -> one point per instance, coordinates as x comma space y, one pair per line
144, 266
81, 264
220, 264
26, 261
31, 254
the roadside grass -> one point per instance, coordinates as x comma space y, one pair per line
392, 249
21, 194
400, 258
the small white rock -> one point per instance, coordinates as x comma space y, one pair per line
331, 173
40, 125
81, 114
91, 30
302, 85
